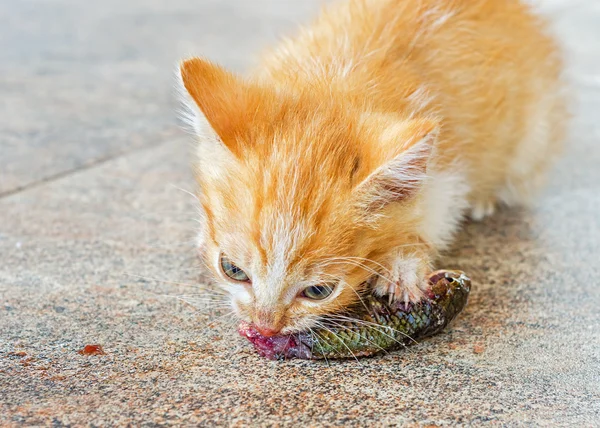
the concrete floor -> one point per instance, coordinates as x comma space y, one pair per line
96, 238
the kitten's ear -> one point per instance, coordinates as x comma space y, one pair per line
398, 162
220, 98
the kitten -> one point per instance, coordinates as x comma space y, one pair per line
349, 158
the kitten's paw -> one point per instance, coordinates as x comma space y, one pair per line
406, 293
407, 282
482, 209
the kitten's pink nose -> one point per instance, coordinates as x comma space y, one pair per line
266, 331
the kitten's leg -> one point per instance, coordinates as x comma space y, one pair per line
406, 279
538, 148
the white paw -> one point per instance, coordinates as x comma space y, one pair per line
482, 209
406, 283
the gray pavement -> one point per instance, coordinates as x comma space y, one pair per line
96, 243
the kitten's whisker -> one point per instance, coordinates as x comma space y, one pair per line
313, 334
368, 269
147, 278
230, 314
364, 259
350, 262
208, 294
221, 300
353, 289
194, 299
185, 191
204, 305
364, 337
360, 298
341, 341
375, 325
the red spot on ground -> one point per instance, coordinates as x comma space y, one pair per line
478, 349
92, 350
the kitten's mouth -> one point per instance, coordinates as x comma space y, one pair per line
278, 347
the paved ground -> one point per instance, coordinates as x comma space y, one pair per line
96, 231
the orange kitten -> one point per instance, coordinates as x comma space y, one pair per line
350, 157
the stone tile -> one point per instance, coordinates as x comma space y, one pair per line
87, 81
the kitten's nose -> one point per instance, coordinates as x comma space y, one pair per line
266, 331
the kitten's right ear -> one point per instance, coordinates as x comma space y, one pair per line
219, 98
399, 162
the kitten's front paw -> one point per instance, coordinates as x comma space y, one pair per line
407, 282
404, 291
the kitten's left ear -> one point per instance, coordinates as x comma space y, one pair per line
399, 160
219, 101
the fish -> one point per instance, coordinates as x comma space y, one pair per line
373, 327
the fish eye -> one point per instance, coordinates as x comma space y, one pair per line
317, 292
232, 271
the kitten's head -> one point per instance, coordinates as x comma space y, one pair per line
303, 196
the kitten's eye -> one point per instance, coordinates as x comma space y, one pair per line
232, 271
317, 292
